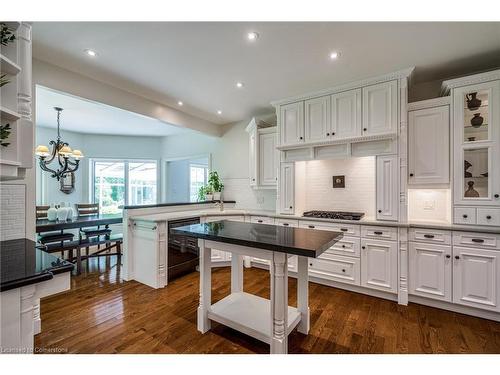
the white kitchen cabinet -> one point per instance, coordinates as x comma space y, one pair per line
346, 114
380, 108
253, 156
476, 278
379, 268
287, 188
429, 146
317, 119
268, 168
291, 120
336, 268
387, 188
430, 271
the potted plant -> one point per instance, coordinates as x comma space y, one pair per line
209, 193
215, 184
5, 131
205, 194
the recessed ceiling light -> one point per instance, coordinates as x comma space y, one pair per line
219, 112
180, 103
91, 52
239, 85
252, 36
334, 55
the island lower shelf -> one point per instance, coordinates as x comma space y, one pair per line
249, 314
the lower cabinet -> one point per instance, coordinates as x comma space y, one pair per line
336, 268
379, 269
476, 278
430, 271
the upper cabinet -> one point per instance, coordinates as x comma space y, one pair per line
387, 188
263, 156
429, 146
287, 188
380, 108
317, 119
291, 120
346, 114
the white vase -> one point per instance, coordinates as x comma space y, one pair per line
217, 196
52, 213
62, 214
209, 197
71, 212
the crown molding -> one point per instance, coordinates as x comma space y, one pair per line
404, 73
429, 103
450, 84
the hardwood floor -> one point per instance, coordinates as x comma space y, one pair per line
102, 314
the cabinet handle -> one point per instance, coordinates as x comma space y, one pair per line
259, 221
411, 174
496, 195
333, 133
488, 217
464, 216
448, 256
343, 270
290, 207
457, 257
327, 134
477, 240
363, 247
301, 138
379, 211
428, 235
344, 229
343, 246
377, 232
253, 179
312, 226
310, 264
364, 129
286, 224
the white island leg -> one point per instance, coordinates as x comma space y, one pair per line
205, 287
279, 303
303, 295
236, 273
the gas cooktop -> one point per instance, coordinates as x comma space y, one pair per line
339, 215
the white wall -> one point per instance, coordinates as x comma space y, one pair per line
93, 146
314, 184
429, 205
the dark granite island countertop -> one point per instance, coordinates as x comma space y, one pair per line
297, 241
23, 263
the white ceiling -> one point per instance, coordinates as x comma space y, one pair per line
199, 63
84, 116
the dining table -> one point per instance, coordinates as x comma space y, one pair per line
45, 225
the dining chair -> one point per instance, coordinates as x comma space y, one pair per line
52, 237
89, 209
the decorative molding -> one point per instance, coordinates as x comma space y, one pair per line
430, 103
400, 74
450, 84
375, 137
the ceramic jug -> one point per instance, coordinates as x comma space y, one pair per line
62, 214
71, 211
52, 213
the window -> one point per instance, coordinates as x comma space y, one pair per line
198, 175
123, 182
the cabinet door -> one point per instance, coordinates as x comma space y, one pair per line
429, 146
253, 155
379, 268
380, 108
476, 117
267, 159
476, 278
287, 188
430, 271
317, 119
346, 114
291, 123
387, 188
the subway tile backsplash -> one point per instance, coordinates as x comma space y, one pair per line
12, 215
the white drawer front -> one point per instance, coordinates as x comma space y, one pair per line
262, 219
342, 269
440, 237
346, 229
380, 233
488, 216
483, 240
286, 222
210, 219
464, 215
347, 246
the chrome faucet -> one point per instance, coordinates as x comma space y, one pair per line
220, 204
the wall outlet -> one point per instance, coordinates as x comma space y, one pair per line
429, 205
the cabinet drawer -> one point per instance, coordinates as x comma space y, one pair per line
210, 219
442, 237
382, 233
483, 240
286, 222
262, 219
464, 215
488, 216
342, 269
346, 229
347, 246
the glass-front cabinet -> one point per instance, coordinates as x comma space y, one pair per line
477, 144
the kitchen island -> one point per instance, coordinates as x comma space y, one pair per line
270, 321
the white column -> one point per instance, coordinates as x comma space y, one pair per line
236, 273
303, 294
279, 303
205, 287
37, 322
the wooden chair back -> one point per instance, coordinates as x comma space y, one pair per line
86, 209
41, 212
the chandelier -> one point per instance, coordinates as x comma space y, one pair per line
61, 151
